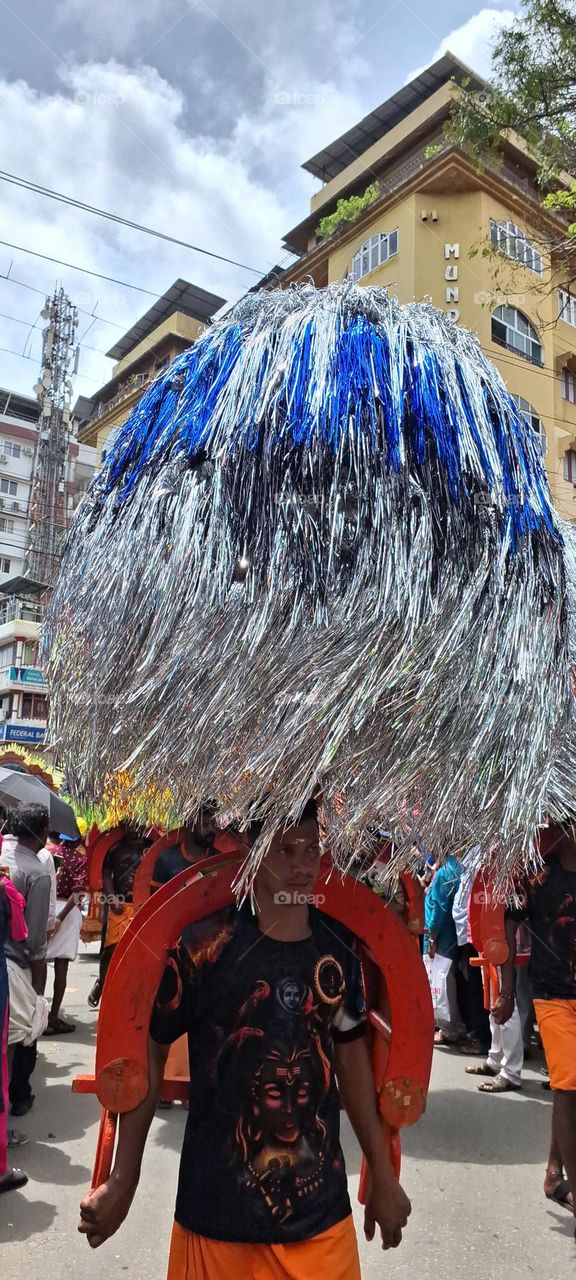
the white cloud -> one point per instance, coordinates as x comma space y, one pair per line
472, 42
116, 137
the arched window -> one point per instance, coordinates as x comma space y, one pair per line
511, 329
529, 414
374, 252
512, 241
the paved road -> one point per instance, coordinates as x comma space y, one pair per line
473, 1168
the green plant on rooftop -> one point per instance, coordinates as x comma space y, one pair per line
347, 211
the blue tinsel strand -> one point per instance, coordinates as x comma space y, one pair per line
400, 629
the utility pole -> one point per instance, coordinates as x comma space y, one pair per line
48, 510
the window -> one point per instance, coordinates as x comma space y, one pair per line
6, 526
511, 240
531, 417
11, 450
511, 329
8, 486
570, 466
567, 307
4, 565
373, 253
569, 385
109, 442
34, 706
30, 655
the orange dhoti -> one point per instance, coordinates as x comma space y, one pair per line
117, 925
333, 1255
177, 1062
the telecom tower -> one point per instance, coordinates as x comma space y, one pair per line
48, 511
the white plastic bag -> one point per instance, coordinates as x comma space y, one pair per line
438, 968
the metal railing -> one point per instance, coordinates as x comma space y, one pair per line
14, 610
136, 382
390, 180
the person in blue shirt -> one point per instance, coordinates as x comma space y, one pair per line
443, 941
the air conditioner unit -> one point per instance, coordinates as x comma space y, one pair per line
27, 453
3, 459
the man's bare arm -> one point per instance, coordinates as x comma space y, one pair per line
388, 1205
504, 1006
103, 1210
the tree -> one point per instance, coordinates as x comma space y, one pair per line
532, 91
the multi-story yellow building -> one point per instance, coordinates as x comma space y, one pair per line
440, 230
167, 329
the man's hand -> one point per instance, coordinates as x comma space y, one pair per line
103, 1211
55, 927
503, 1009
431, 947
389, 1207
116, 907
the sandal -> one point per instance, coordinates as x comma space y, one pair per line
441, 1039
16, 1139
59, 1027
561, 1193
94, 997
483, 1069
13, 1181
473, 1049
499, 1085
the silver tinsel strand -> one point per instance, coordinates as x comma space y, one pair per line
323, 553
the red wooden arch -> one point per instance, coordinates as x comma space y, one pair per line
224, 842
145, 871
98, 845
121, 1078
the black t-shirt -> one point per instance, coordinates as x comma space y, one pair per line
261, 1161
549, 907
122, 863
168, 864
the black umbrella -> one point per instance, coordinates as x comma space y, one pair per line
24, 788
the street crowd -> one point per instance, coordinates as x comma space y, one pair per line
278, 1034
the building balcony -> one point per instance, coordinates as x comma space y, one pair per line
443, 168
13, 609
134, 385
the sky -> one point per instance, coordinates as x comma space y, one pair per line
192, 117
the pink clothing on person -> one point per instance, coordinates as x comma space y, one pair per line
4, 1093
18, 929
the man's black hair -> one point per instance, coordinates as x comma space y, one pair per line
309, 814
28, 820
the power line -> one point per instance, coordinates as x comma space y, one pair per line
44, 292
16, 320
26, 185
85, 271
8, 351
